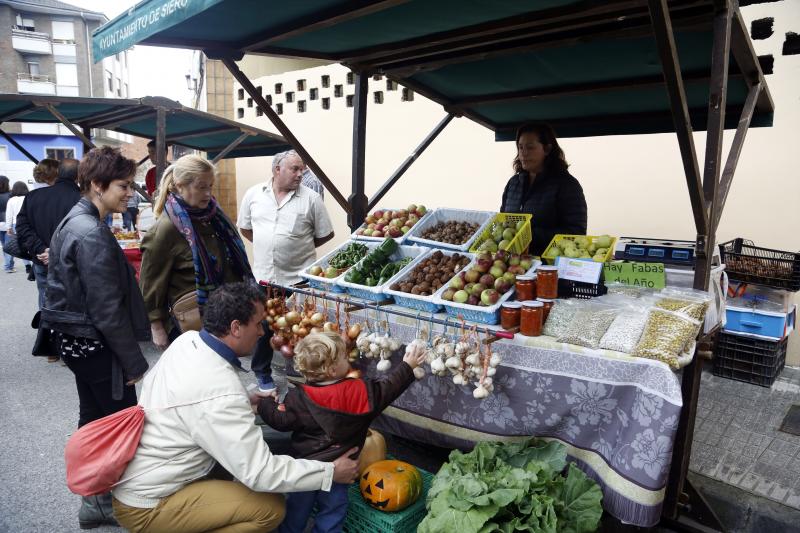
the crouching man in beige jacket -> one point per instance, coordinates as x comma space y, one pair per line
197, 415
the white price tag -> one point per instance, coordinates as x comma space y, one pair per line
579, 270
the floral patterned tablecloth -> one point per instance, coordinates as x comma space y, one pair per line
616, 414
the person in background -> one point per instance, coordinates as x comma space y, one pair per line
45, 173
150, 177
286, 222
18, 192
200, 431
129, 216
311, 181
328, 414
41, 214
543, 187
5, 194
93, 305
192, 248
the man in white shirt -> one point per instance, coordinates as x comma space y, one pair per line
286, 222
198, 415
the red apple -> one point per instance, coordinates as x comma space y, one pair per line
457, 283
360, 231
447, 295
501, 285
490, 296
500, 264
377, 233
394, 232
421, 210
412, 208
472, 275
473, 300
518, 270
370, 219
478, 288
377, 214
501, 255
483, 265
487, 279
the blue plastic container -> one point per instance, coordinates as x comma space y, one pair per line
768, 324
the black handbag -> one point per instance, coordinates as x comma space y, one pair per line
12, 247
42, 346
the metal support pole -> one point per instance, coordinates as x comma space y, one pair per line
733, 154
87, 131
18, 146
258, 98
236, 142
75, 131
358, 200
662, 28
161, 145
386, 187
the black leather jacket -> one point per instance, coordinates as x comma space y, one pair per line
92, 292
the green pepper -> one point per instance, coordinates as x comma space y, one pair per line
370, 282
388, 246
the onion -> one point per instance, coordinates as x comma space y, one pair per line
281, 322
316, 330
317, 319
270, 303
354, 331
278, 341
329, 326
302, 332
293, 317
287, 351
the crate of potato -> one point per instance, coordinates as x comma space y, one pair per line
414, 290
324, 273
450, 229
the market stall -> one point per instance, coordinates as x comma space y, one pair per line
621, 67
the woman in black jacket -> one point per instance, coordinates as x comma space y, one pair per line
543, 187
93, 305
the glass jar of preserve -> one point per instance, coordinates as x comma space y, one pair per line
509, 315
526, 288
530, 321
547, 305
547, 282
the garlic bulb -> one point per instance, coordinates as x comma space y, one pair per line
394, 345
419, 372
458, 379
491, 371
480, 392
494, 361
384, 365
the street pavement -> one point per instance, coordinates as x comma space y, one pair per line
38, 412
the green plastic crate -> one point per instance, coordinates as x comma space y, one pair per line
361, 518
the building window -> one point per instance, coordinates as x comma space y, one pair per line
33, 69
279, 109
301, 85
25, 23
326, 103
378, 96
351, 78
349, 100
260, 90
326, 81
110, 81
391, 85
289, 97
125, 91
278, 88
408, 95
60, 153
301, 106
269, 99
338, 91
240, 94
240, 112
313, 94
259, 112
377, 77
63, 31
249, 102
3, 153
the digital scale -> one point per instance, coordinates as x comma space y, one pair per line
647, 250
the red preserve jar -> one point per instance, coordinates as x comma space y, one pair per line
546, 305
547, 282
526, 288
530, 323
509, 315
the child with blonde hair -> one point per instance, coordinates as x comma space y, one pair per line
328, 414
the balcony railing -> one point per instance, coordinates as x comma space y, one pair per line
35, 84
31, 42
33, 77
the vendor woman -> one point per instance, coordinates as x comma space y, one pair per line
543, 187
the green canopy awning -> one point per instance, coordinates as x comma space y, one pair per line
184, 126
588, 68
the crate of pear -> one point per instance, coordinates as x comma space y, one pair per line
598, 248
507, 231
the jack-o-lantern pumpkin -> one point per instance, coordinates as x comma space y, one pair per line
390, 485
374, 450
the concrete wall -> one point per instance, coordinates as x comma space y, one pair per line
634, 185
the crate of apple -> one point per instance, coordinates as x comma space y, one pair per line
393, 223
487, 279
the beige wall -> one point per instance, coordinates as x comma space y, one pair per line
634, 185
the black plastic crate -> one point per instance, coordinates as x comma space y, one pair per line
748, 359
749, 263
579, 289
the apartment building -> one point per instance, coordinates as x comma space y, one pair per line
45, 49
